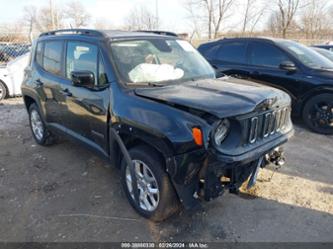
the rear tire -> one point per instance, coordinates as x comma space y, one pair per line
165, 199
3, 91
318, 113
39, 130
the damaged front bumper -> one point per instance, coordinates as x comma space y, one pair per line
206, 174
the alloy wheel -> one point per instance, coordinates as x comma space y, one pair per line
37, 125
149, 194
321, 114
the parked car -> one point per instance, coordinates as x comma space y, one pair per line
11, 76
303, 73
151, 105
325, 46
324, 52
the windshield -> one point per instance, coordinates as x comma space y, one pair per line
328, 54
306, 55
159, 61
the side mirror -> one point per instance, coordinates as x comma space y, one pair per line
83, 79
288, 66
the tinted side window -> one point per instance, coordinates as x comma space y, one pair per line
210, 52
52, 57
233, 52
262, 54
81, 57
39, 53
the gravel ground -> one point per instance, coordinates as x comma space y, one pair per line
66, 193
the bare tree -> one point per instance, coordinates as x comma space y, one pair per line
50, 17
29, 19
253, 12
103, 23
285, 15
140, 18
314, 19
76, 14
212, 13
194, 21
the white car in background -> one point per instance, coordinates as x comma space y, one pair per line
11, 76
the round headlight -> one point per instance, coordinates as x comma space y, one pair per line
221, 131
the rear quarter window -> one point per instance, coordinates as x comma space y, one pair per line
39, 53
53, 56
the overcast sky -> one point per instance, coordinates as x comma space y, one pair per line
172, 13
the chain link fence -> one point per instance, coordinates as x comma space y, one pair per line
13, 45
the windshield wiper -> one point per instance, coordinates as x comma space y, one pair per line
154, 84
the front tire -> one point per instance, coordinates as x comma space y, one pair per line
3, 91
39, 131
157, 198
318, 113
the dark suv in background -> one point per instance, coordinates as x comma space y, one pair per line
151, 105
303, 73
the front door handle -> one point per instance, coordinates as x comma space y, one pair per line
39, 83
255, 73
66, 92
238, 76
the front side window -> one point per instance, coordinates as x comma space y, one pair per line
262, 54
52, 57
154, 60
234, 52
306, 55
81, 57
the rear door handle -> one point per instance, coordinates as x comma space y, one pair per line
239, 76
66, 92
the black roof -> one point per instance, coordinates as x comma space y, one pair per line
113, 34
267, 39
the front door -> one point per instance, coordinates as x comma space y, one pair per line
264, 68
86, 114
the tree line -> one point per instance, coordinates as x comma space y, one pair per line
207, 19
213, 18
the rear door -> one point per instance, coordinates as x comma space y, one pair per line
230, 59
49, 77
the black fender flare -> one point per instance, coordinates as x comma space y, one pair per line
134, 134
128, 159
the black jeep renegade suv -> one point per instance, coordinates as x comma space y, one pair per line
151, 105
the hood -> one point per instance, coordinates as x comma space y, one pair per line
223, 97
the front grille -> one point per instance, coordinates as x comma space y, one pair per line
265, 125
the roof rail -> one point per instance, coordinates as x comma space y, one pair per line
158, 32
89, 32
